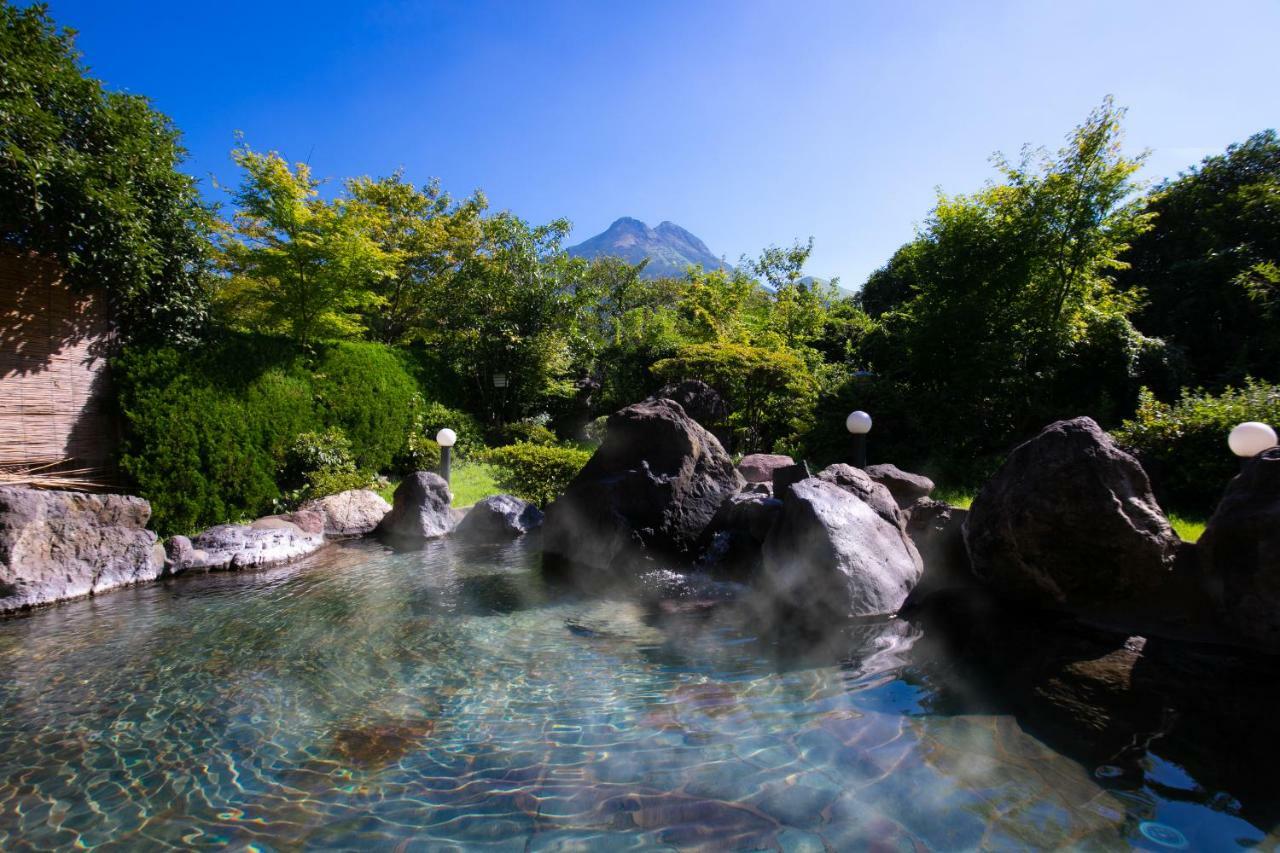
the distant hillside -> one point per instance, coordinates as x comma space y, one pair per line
670, 249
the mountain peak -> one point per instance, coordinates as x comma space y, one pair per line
670, 249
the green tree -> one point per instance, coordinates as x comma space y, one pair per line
427, 239
91, 178
1209, 267
298, 263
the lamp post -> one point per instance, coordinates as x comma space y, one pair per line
445, 438
1250, 438
859, 423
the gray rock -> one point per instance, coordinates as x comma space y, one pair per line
830, 555
732, 541
759, 467
266, 542
56, 545
937, 529
906, 488
650, 489
351, 513
498, 518
700, 401
858, 483
1069, 523
1240, 553
420, 508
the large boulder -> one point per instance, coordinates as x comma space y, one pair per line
420, 508
831, 555
733, 540
498, 518
266, 542
1240, 553
858, 483
937, 529
700, 401
1069, 523
350, 513
759, 467
56, 545
650, 489
906, 488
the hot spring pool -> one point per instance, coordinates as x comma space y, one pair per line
449, 698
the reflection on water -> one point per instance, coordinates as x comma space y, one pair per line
364, 699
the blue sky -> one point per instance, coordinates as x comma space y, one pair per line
748, 123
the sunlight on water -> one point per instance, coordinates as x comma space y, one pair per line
365, 698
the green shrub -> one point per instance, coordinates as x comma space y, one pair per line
330, 481
1183, 446
536, 472
316, 451
436, 417
367, 390
525, 432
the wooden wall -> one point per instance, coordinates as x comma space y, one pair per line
55, 400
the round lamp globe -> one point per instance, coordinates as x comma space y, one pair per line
1251, 438
446, 437
858, 423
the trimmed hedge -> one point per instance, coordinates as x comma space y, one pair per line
536, 472
207, 431
1183, 446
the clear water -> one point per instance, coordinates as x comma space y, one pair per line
449, 698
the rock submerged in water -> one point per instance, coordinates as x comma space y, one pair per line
498, 518
1069, 523
1240, 553
831, 555
420, 508
350, 513
651, 488
266, 542
56, 545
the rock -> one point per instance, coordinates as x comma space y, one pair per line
786, 475
859, 484
732, 541
1069, 523
651, 488
830, 555
1240, 553
268, 541
906, 488
420, 508
351, 513
937, 529
497, 518
700, 401
759, 467
56, 545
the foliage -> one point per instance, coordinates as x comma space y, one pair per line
1209, 266
1008, 317
1183, 446
208, 432
770, 392
298, 264
92, 178
329, 449
525, 432
537, 473
368, 391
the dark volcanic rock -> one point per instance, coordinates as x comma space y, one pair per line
759, 467
1069, 522
1240, 553
906, 488
420, 508
700, 401
56, 545
651, 488
732, 541
830, 556
937, 529
498, 518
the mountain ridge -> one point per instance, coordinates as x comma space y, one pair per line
669, 248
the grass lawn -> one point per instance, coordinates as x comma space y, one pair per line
469, 482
